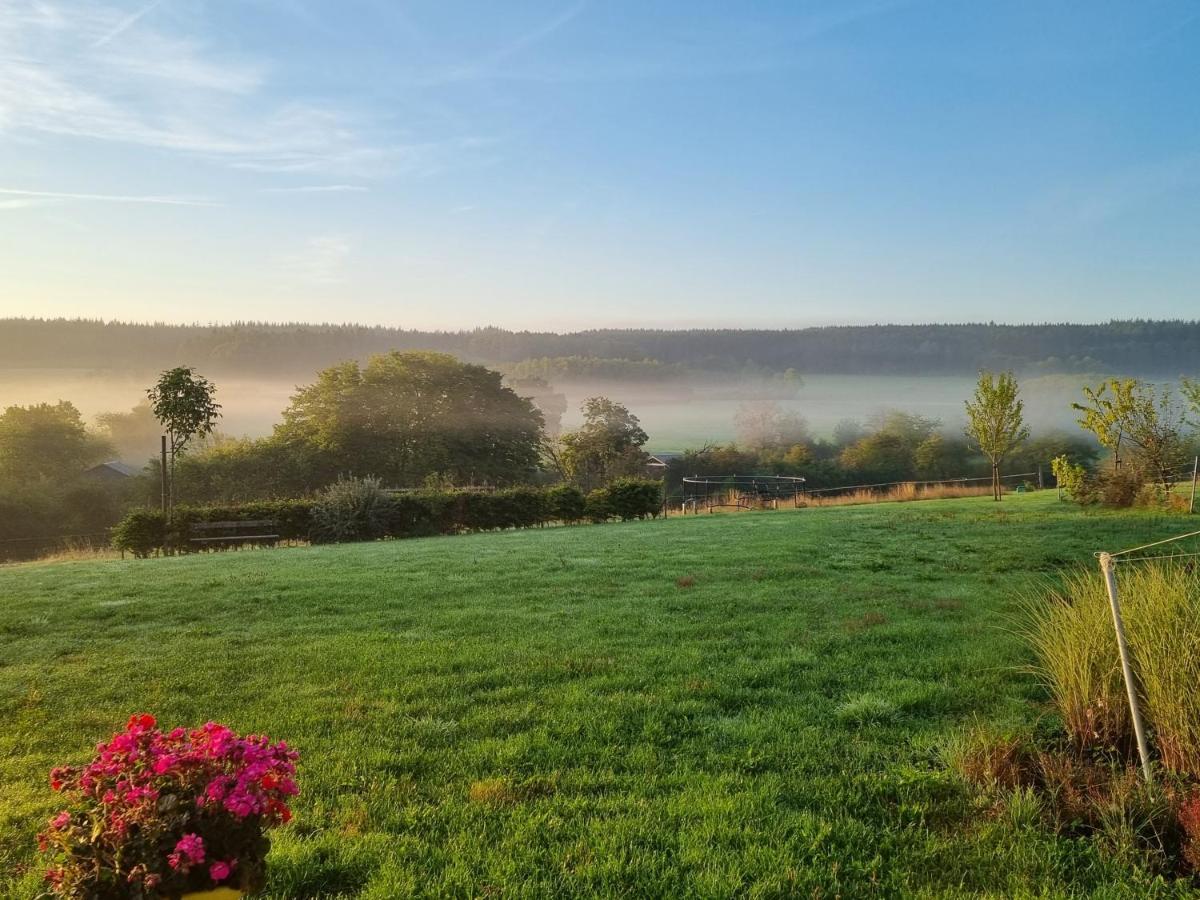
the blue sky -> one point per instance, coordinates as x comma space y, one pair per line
578, 164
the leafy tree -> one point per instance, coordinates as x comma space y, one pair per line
937, 457
608, 445
1107, 412
184, 404
1142, 416
995, 420
406, 416
46, 442
1190, 388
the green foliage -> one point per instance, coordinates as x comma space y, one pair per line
142, 533
45, 442
566, 503
1070, 477
183, 402
405, 416
608, 445
1129, 412
633, 498
358, 509
134, 435
350, 509
995, 420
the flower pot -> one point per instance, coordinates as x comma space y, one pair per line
221, 893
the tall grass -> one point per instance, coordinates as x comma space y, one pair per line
1072, 634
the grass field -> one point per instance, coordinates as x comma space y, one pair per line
716, 706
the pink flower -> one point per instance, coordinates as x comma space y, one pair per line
61, 821
221, 869
188, 852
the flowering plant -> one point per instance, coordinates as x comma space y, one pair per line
159, 814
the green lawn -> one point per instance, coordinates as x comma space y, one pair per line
548, 713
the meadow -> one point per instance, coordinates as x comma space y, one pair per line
754, 705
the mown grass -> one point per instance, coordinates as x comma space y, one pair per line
749, 705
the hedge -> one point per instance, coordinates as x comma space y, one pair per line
416, 514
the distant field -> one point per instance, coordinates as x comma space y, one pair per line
553, 713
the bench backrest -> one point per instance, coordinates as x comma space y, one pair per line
225, 526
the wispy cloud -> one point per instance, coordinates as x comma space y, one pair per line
126, 23
316, 189
161, 200
63, 72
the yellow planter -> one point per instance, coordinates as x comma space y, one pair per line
221, 893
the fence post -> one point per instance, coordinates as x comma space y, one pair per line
162, 468
1195, 470
1108, 567
1041, 483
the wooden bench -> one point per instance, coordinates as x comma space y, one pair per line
230, 534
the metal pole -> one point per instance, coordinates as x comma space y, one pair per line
1195, 470
163, 472
1108, 567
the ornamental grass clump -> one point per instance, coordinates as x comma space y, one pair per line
161, 814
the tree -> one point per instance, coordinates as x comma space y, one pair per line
1106, 413
995, 420
762, 425
183, 403
1190, 388
46, 442
404, 417
133, 434
608, 445
1140, 415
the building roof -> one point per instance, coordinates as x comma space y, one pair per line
113, 467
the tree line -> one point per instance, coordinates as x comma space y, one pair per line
1144, 348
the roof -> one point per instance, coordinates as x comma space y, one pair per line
113, 467
663, 459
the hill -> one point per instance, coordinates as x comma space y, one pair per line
1145, 348
554, 713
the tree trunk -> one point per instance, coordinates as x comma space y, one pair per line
996, 482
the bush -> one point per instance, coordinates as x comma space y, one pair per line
350, 509
634, 498
1070, 477
141, 533
565, 503
159, 814
357, 509
1073, 637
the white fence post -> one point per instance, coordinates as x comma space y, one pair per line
1108, 567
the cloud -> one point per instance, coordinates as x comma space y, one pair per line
82, 70
316, 189
29, 198
125, 23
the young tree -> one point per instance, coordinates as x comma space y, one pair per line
183, 403
995, 420
1141, 415
1107, 411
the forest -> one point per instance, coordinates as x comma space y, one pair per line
1145, 348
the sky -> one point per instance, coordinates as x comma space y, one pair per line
573, 164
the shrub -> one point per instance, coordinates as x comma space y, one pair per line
141, 533
1077, 651
159, 814
625, 499
565, 503
350, 509
1070, 477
